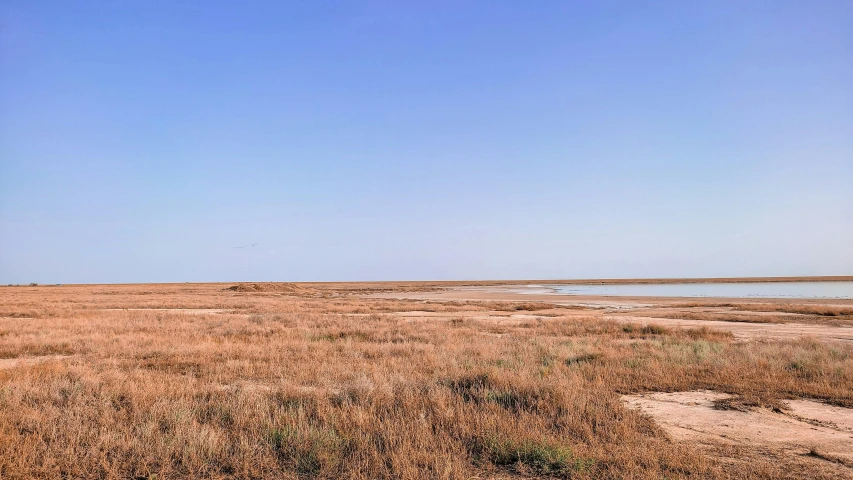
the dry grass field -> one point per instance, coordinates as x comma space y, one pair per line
331, 381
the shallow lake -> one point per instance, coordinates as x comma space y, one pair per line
732, 290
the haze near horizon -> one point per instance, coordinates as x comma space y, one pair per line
144, 142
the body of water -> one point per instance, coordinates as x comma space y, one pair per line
732, 290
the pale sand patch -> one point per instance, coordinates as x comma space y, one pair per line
839, 418
691, 416
9, 363
505, 318
189, 311
609, 305
749, 331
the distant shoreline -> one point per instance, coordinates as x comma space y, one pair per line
617, 281
460, 283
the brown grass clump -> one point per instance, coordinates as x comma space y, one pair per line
144, 381
746, 403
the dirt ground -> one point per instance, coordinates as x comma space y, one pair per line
803, 429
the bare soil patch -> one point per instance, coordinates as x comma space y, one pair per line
9, 363
804, 428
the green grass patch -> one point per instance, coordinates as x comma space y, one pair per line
309, 450
542, 456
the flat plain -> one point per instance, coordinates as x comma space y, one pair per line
419, 380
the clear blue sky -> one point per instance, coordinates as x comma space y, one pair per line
142, 141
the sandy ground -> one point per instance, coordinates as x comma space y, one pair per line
806, 428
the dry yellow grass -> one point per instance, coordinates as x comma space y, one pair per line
336, 385
787, 307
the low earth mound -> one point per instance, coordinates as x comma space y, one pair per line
290, 288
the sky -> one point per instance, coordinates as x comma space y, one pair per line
384, 140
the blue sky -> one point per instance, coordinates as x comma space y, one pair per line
143, 141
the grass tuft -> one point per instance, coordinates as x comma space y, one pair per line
540, 456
